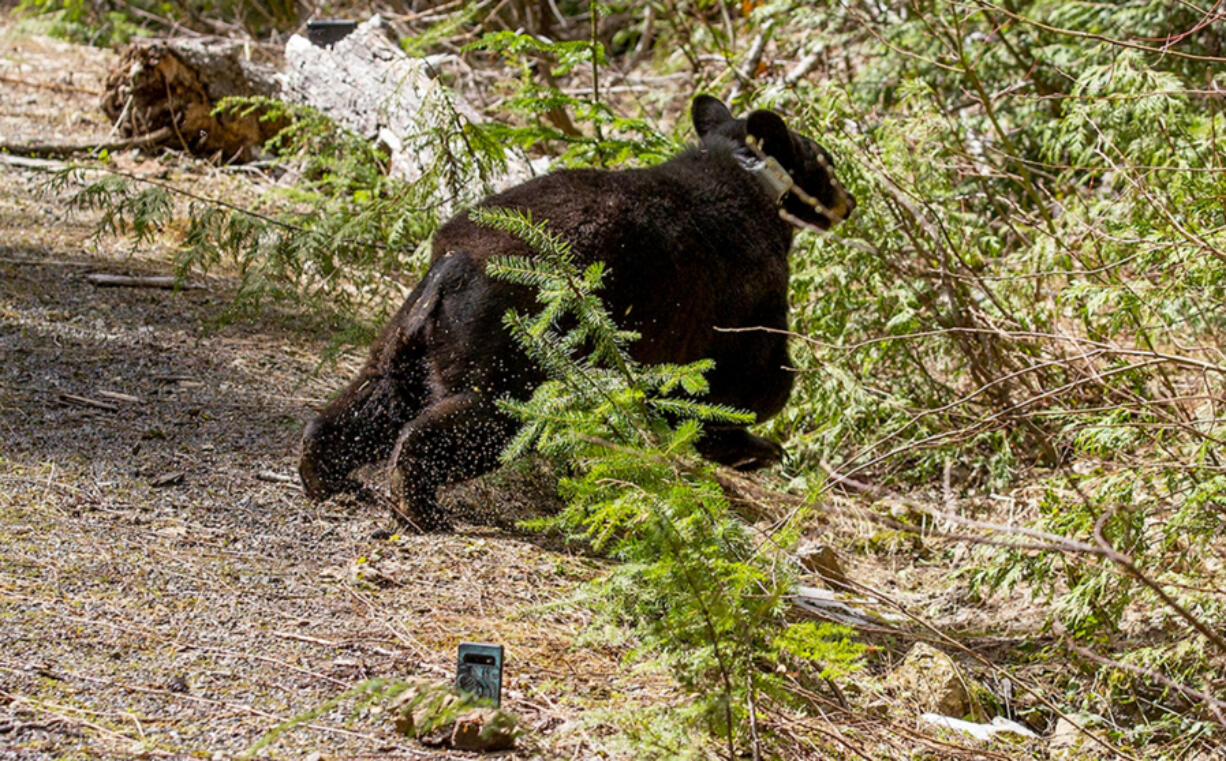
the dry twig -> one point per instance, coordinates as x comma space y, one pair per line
75, 149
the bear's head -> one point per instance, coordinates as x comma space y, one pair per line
807, 164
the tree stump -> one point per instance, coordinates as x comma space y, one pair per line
177, 83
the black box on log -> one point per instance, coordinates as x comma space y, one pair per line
325, 32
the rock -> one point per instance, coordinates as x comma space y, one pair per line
982, 732
483, 729
901, 511
1066, 739
167, 479
437, 716
934, 682
822, 560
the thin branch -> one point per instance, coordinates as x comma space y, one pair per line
74, 149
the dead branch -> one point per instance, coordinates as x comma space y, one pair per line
951, 642
164, 282
116, 396
803, 67
305, 638
75, 149
271, 476
1126, 563
752, 58
1212, 704
25, 162
47, 86
84, 401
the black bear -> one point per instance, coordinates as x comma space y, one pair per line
698, 242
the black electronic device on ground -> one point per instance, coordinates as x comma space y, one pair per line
479, 671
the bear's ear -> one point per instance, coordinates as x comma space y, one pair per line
772, 135
708, 113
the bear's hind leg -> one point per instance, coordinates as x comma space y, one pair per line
455, 438
358, 429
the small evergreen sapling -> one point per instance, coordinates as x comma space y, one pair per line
700, 590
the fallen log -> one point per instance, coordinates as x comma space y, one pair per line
364, 82
25, 162
369, 85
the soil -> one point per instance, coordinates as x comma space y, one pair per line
165, 588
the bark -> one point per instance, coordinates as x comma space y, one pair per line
364, 82
367, 84
175, 84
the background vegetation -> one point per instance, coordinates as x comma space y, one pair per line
1025, 309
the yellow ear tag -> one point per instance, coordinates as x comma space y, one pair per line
774, 179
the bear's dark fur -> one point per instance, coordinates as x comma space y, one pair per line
695, 243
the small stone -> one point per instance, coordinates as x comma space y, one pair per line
345, 665
167, 479
902, 512
1066, 738
822, 560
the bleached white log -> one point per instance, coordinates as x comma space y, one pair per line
366, 83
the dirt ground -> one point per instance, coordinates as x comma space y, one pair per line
165, 588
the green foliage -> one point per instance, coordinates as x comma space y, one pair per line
124, 209
81, 21
825, 644
345, 239
701, 591
1030, 288
1032, 277
111, 23
615, 140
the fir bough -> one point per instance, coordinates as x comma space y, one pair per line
702, 592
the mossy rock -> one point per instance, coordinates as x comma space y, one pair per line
931, 679
437, 715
